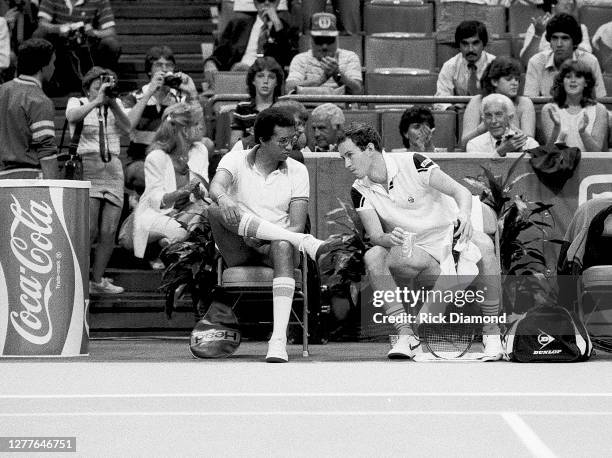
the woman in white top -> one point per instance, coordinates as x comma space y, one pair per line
103, 118
174, 167
535, 37
575, 117
500, 77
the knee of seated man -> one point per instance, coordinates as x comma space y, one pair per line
484, 244
375, 257
403, 265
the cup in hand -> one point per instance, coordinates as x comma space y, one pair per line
408, 243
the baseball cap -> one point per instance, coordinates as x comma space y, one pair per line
323, 25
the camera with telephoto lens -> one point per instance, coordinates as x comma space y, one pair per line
172, 80
111, 91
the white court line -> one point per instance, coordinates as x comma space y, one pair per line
534, 444
300, 395
288, 413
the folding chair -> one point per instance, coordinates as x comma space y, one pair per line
230, 83
245, 283
594, 16
404, 50
394, 82
398, 16
444, 136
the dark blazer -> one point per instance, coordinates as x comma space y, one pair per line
230, 47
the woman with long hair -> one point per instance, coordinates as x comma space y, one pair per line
175, 166
502, 76
103, 118
265, 80
574, 117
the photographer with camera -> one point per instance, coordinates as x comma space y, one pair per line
146, 107
104, 120
83, 34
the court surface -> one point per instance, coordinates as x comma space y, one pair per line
150, 398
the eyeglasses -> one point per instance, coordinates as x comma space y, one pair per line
164, 65
284, 141
319, 41
264, 1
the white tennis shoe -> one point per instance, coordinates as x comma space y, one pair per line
405, 347
277, 351
493, 350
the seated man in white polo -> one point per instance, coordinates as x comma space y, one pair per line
325, 67
262, 196
502, 135
403, 192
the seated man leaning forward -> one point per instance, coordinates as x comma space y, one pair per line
408, 192
262, 195
502, 135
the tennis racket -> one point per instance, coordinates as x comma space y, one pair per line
447, 340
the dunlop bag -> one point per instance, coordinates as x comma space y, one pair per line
547, 334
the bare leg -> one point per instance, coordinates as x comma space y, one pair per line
106, 240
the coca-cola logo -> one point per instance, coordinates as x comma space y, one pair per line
31, 246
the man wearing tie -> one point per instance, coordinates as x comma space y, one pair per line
247, 37
460, 75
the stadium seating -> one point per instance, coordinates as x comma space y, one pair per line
449, 15
400, 83
230, 83
444, 135
392, 50
595, 16
519, 18
382, 16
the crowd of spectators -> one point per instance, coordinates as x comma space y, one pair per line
74, 48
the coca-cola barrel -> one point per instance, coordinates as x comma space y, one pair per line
44, 264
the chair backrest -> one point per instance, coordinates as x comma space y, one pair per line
519, 17
352, 43
500, 46
594, 16
444, 136
396, 16
370, 117
388, 83
223, 128
449, 15
400, 50
230, 83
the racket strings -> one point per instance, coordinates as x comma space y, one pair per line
448, 341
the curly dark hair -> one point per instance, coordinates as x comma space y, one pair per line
468, 29
500, 67
361, 134
564, 23
414, 115
270, 64
579, 69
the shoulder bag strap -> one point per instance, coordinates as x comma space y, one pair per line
76, 136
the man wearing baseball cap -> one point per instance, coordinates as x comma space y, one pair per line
325, 65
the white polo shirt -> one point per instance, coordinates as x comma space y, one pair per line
485, 143
265, 196
410, 202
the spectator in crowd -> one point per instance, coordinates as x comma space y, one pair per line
395, 194
22, 19
416, 128
27, 131
501, 136
246, 37
574, 117
104, 120
564, 34
263, 196
325, 67
534, 37
460, 75
501, 76
347, 11
327, 121
5, 51
146, 107
602, 44
173, 169
83, 34
265, 84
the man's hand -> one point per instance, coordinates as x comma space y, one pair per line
101, 99
187, 85
539, 23
157, 81
330, 66
397, 236
229, 210
11, 17
269, 14
465, 229
512, 144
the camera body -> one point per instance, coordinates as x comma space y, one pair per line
172, 80
111, 91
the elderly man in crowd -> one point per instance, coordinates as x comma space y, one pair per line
564, 34
502, 135
27, 130
460, 75
325, 66
327, 121
246, 37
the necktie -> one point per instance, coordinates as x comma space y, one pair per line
262, 40
473, 80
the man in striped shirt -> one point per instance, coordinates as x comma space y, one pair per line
83, 28
27, 131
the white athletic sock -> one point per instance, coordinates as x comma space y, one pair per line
490, 308
282, 298
253, 226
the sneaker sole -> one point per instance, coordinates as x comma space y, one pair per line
276, 359
397, 355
